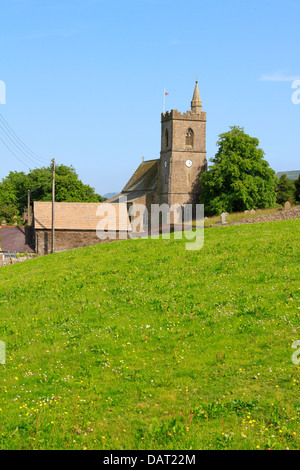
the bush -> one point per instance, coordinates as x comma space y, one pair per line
285, 190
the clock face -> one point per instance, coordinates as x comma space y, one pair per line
189, 163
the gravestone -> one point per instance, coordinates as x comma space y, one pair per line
287, 206
223, 218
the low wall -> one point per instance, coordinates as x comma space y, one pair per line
68, 240
7, 262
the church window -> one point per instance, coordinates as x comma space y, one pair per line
189, 138
167, 138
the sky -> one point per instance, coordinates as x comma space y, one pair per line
84, 80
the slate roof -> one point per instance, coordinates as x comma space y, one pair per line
143, 181
80, 216
14, 238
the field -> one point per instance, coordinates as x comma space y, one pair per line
142, 344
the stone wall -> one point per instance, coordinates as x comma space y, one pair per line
7, 262
69, 239
293, 213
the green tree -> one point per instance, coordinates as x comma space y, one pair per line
285, 190
240, 178
297, 189
8, 209
68, 188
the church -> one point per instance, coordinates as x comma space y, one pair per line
172, 179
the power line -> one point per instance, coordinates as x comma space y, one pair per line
23, 148
16, 145
17, 157
26, 148
25, 195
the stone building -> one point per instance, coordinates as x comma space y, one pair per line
174, 177
171, 179
77, 224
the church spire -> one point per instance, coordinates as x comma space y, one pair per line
196, 101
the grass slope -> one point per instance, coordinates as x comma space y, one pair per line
141, 344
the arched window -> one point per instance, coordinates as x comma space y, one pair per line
189, 138
167, 138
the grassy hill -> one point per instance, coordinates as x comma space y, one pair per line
291, 175
109, 195
141, 344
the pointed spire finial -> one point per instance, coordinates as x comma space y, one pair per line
196, 104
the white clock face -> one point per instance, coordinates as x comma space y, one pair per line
189, 163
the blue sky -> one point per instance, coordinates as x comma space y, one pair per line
85, 78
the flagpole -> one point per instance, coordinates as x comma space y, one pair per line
164, 100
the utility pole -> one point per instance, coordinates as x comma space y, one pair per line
28, 209
53, 202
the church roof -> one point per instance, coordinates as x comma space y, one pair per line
143, 181
144, 178
79, 216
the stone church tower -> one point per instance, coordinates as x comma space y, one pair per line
183, 154
174, 177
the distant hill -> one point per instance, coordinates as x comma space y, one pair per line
292, 175
109, 195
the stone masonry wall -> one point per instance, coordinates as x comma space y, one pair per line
178, 183
67, 240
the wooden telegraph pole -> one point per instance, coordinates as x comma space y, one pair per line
53, 202
28, 209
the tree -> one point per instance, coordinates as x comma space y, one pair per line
68, 188
285, 190
8, 209
297, 189
240, 178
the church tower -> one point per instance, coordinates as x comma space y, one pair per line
183, 154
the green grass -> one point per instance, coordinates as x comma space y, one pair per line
141, 344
